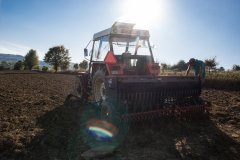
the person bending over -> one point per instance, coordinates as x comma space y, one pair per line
198, 67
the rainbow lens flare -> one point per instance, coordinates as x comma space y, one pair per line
101, 130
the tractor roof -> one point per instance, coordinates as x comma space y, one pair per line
122, 29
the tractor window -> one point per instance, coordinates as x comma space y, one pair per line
101, 49
123, 45
104, 48
96, 49
143, 48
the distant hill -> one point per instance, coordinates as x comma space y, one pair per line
10, 57
14, 58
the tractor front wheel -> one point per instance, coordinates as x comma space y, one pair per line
98, 86
78, 88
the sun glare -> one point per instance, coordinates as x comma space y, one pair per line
144, 13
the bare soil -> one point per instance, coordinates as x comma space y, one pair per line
35, 124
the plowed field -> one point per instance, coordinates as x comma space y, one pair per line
35, 124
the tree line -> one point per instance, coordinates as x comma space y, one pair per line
211, 65
57, 56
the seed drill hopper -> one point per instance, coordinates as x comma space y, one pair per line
122, 72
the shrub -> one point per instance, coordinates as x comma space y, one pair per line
44, 68
18, 65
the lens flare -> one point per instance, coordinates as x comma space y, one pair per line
97, 130
100, 133
101, 130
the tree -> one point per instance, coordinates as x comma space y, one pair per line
75, 66
181, 65
31, 59
64, 65
164, 66
211, 63
236, 67
57, 56
221, 69
19, 65
84, 64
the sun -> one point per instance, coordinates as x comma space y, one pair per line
144, 13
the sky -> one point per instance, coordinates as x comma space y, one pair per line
179, 29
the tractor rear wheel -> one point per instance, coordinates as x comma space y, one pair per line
98, 86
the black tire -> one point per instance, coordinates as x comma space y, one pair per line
78, 88
98, 86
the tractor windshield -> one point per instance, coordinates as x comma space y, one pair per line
120, 45
135, 46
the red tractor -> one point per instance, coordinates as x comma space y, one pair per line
122, 71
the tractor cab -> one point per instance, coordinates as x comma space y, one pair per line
123, 51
